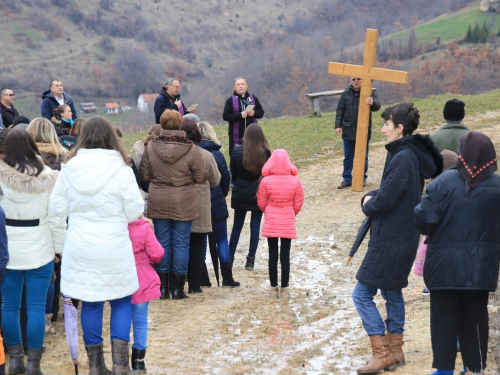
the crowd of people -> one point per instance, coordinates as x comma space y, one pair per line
79, 215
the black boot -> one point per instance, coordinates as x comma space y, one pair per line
163, 285
232, 260
249, 264
34, 358
226, 269
16, 363
138, 364
205, 279
96, 360
178, 291
119, 353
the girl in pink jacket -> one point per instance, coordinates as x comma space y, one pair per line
147, 250
280, 197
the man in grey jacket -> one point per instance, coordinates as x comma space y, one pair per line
449, 135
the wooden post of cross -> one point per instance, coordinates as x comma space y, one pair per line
367, 72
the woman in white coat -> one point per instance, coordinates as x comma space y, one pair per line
97, 190
35, 235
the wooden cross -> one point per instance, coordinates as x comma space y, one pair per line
367, 72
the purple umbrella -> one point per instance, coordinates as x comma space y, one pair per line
71, 326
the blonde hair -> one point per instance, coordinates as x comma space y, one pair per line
42, 131
208, 132
171, 119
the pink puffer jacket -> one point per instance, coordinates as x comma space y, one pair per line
280, 196
147, 250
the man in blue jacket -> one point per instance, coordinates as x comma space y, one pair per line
53, 98
170, 98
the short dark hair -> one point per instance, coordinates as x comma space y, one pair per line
192, 131
405, 114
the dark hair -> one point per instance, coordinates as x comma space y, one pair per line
77, 127
21, 153
21, 120
192, 131
405, 114
3, 134
98, 133
256, 150
118, 131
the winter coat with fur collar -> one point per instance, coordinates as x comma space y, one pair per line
26, 197
48, 152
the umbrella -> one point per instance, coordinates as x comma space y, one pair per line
359, 238
212, 244
71, 327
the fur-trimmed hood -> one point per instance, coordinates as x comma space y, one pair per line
21, 187
47, 148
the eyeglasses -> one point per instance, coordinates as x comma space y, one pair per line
176, 87
9, 94
355, 79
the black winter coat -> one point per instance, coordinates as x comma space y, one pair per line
463, 250
246, 184
50, 103
8, 115
347, 113
393, 235
165, 101
219, 193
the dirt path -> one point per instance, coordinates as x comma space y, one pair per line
252, 330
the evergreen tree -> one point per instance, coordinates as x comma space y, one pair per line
468, 35
484, 33
475, 34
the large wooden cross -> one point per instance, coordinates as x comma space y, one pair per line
367, 72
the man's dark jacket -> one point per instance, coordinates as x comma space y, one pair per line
50, 103
347, 113
393, 235
8, 115
163, 102
463, 250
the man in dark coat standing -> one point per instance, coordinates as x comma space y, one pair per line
53, 98
7, 111
236, 113
346, 122
170, 98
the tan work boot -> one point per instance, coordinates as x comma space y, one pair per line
48, 324
396, 344
382, 358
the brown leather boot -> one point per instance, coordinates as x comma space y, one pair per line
382, 358
396, 344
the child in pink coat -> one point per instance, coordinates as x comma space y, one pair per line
280, 197
147, 250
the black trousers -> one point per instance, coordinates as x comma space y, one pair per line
196, 262
464, 312
284, 255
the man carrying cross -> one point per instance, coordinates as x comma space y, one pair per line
346, 123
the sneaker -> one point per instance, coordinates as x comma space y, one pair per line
425, 292
344, 184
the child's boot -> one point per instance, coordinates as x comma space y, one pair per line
138, 364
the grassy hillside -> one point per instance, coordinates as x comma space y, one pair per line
453, 26
311, 139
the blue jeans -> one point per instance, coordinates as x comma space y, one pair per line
219, 234
173, 235
349, 160
140, 325
121, 320
50, 299
37, 283
370, 316
239, 220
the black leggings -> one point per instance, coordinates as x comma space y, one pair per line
284, 256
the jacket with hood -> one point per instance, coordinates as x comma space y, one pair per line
218, 193
165, 101
147, 251
280, 196
49, 154
26, 197
172, 165
393, 235
449, 135
98, 192
50, 103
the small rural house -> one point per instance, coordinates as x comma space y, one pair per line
88, 107
146, 102
110, 108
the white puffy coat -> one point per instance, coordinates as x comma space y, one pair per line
26, 197
99, 193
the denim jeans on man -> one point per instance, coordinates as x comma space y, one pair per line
140, 325
120, 321
37, 284
370, 316
239, 220
349, 147
219, 235
173, 235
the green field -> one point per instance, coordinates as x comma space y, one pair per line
452, 26
308, 140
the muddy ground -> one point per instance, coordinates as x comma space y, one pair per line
313, 329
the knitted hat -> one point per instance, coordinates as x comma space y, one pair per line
454, 110
192, 116
21, 120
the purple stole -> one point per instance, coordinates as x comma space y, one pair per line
235, 125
